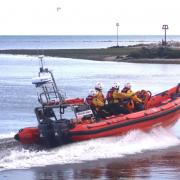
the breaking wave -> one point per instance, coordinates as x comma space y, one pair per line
9, 135
18, 157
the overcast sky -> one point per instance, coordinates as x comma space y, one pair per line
88, 17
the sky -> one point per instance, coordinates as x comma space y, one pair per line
89, 17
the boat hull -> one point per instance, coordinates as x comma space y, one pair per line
114, 128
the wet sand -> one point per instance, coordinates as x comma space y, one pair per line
156, 164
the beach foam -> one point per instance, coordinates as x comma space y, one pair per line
104, 148
7, 135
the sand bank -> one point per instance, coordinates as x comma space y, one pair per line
122, 54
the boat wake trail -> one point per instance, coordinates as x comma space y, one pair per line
15, 156
7, 143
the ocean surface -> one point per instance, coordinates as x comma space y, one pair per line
75, 42
136, 155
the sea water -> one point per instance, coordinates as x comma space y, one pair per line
75, 42
75, 77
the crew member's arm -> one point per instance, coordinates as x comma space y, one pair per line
97, 103
134, 97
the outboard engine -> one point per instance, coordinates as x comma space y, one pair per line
47, 136
46, 127
61, 131
52, 132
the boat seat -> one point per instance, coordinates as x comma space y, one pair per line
174, 96
166, 101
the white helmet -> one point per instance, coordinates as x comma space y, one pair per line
115, 85
127, 85
92, 92
98, 86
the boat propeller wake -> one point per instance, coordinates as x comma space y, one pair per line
16, 156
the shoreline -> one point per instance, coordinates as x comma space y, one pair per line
121, 54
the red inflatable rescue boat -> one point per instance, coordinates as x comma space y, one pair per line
162, 110
62, 120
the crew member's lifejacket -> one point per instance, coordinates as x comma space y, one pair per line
109, 95
125, 90
133, 96
89, 100
97, 106
100, 96
144, 95
129, 104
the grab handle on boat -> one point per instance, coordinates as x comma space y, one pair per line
62, 110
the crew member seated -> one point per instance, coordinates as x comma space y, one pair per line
113, 106
115, 99
101, 97
138, 104
98, 107
99, 94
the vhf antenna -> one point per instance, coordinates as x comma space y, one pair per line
41, 60
41, 63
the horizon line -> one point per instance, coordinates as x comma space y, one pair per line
89, 35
